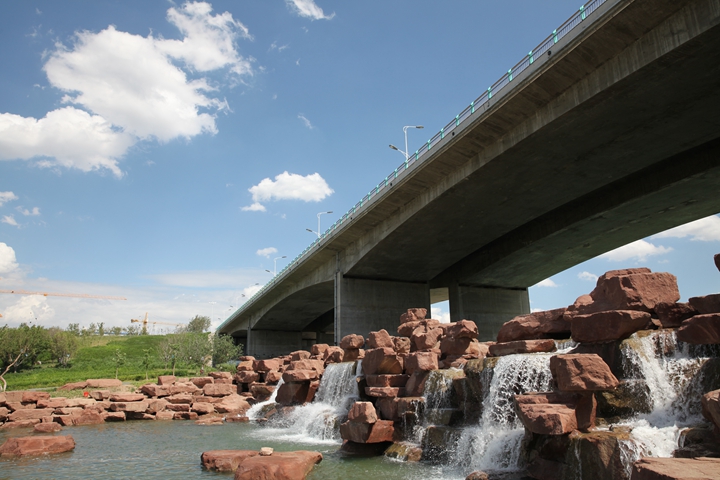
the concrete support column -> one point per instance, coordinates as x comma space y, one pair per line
489, 308
272, 343
363, 306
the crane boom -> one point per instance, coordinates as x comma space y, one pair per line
49, 294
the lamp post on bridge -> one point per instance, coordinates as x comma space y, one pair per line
274, 272
318, 230
405, 129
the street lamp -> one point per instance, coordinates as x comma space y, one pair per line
274, 272
405, 129
318, 230
212, 310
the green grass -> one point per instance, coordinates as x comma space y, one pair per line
94, 359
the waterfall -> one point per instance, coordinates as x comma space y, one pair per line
256, 410
674, 379
319, 421
494, 444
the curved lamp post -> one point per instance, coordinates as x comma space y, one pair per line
318, 230
405, 129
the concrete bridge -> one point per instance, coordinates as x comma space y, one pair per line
608, 132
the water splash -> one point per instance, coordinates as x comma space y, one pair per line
257, 410
494, 444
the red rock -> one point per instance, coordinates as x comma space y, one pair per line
716, 258
82, 402
100, 395
273, 376
181, 398
547, 418
203, 408
155, 406
462, 329
522, 346
707, 304
607, 326
200, 382
319, 349
547, 324
152, 390
308, 364
334, 355
34, 397
129, 406
387, 408
50, 427
384, 392
352, 354
166, 379
676, 469
711, 407
56, 402
185, 416
183, 388
89, 418
671, 315
64, 420
382, 361
225, 460
127, 397
401, 344
68, 411
178, 407
74, 386
300, 375
209, 420
4, 412
114, 416
379, 339
415, 386
246, 377
421, 362
261, 391
582, 372
352, 341
700, 329
299, 355
20, 424
413, 315
246, 366
232, 404
386, 380
218, 390
380, 431
37, 445
220, 375
267, 365
29, 414
103, 383
163, 416
460, 346
426, 339
477, 475
278, 466
406, 329
363, 412
296, 393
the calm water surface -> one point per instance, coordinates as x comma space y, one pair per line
171, 450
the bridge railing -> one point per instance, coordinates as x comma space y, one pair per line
478, 106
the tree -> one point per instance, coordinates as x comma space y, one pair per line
198, 324
74, 328
132, 330
21, 347
224, 349
63, 345
101, 329
119, 360
195, 349
117, 331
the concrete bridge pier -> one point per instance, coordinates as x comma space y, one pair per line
272, 343
363, 305
488, 307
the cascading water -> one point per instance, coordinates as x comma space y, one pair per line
673, 377
319, 421
256, 410
494, 444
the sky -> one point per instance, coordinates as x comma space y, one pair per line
174, 153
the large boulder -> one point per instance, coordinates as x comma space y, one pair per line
30, 414
379, 339
700, 329
461, 346
278, 466
421, 362
225, 460
706, 304
607, 326
218, 389
300, 375
386, 380
461, 329
628, 289
547, 418
547, 324
413, 315
362, 412
103, 383
671, 315
711, 407
382, 361
36, 445
582, 372
232, 404
358, 432
352, 341
296, 393
676, 469
522, 346
127, 397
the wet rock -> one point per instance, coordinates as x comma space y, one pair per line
413, 315
547, 418
421, 362
404, 451
273, 376
711, 407
278, 466
296, 393
607, 326
477, 475
700, 329
578, 373
352, 354
378, 432
181, 416
388, 408
261, 391
299, 376
352, 341
706, 304
120, 416
547, 324
36, 445
676, 469
628, 399
49, 427
382, 361
386, 380
363, 412
225, 460
435, 442
597, 455
698, 442
384, 392
522, 346
415, 386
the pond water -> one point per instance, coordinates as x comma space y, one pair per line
148, 450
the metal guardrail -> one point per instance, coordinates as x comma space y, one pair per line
480, 103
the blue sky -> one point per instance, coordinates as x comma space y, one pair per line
168, 152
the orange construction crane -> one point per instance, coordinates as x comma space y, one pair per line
48, 294
145, 322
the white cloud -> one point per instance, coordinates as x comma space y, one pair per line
8, 262
34, 212
546, 283
440, 314
705, 230
289, 186
29, 308
129, 90
266, 252
639, 251
306, 122
10, 220
308, 8
7, 196
587, 276
255, 207
208, 278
